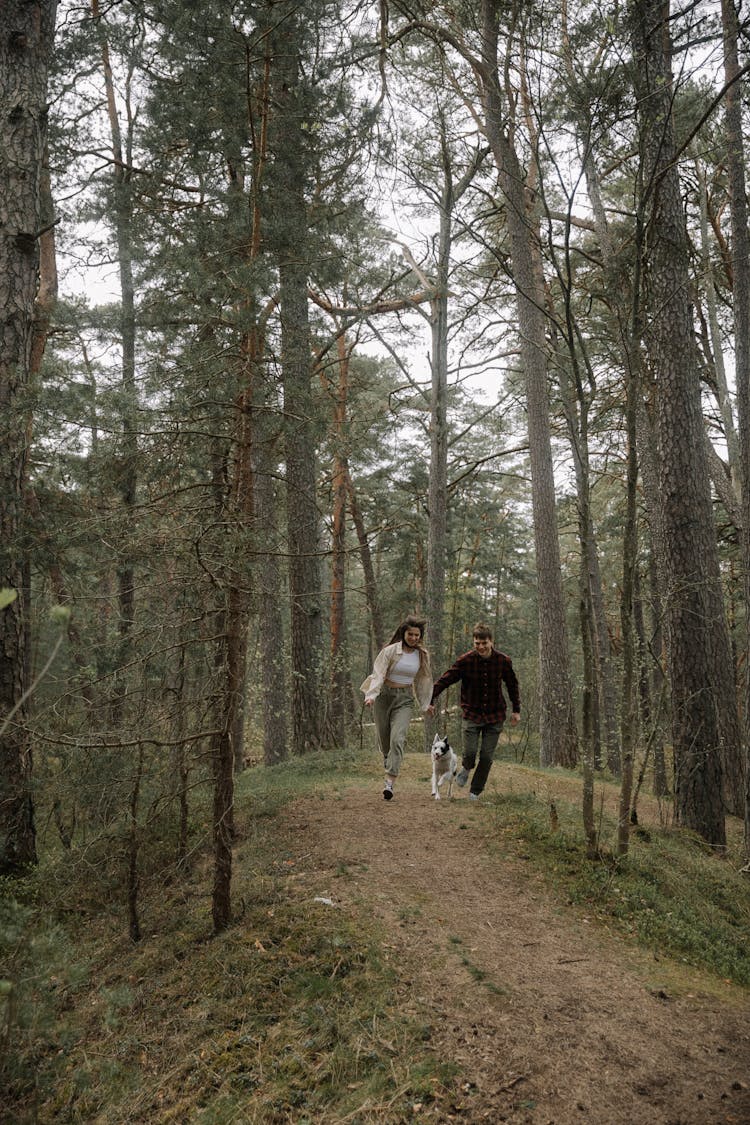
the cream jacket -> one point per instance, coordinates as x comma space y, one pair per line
385, 660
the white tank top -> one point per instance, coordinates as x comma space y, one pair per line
405, 670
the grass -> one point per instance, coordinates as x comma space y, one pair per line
292, 1014
671, 894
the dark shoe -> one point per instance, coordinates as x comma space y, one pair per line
462, 777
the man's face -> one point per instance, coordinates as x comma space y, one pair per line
483, 645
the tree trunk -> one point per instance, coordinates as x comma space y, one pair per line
588, 720
741, 288
659, 684
437, 501
223, 811
600, 701
25, 47
240, 518
717, 349
695, 612
122, 221
270, 593
222, 757
557, 727
371, 589
134, 839
179, 760
657, 576
290, 239
629, 713
337, 722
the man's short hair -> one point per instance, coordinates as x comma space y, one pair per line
482, 632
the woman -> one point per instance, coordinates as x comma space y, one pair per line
401, 673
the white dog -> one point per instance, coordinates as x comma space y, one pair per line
444, 765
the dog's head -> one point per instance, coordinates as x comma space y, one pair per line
440, 747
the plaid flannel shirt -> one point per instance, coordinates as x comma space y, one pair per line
482, 678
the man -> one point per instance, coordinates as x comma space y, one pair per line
482, 672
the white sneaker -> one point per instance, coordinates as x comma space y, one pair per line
473, 796
462, 777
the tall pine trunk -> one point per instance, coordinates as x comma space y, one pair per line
270, 594
438, 484
338, 709
126, 469
26, 42
698, 645
290, 238
557, 726
741, 289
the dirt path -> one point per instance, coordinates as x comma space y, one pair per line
550, 1018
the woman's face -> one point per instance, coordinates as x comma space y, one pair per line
412, 636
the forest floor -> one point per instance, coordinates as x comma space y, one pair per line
548, 1016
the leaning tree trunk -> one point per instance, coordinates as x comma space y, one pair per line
695, 611
26, 40
557, 726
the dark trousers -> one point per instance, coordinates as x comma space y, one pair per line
481, 737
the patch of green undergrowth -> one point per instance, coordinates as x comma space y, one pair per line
292, 1014
264, 791
670, 892
41, 970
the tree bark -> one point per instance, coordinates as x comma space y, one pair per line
741, 287
126, 473
26, 42
224, 701
134, 840
446, 193
629, 712
557, 726
290, 141
590, 740
602, 710
437, 500
337, 722
716, 356
270, 591
695, 612
368, 570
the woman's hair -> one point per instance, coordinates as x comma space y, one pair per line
410, 622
